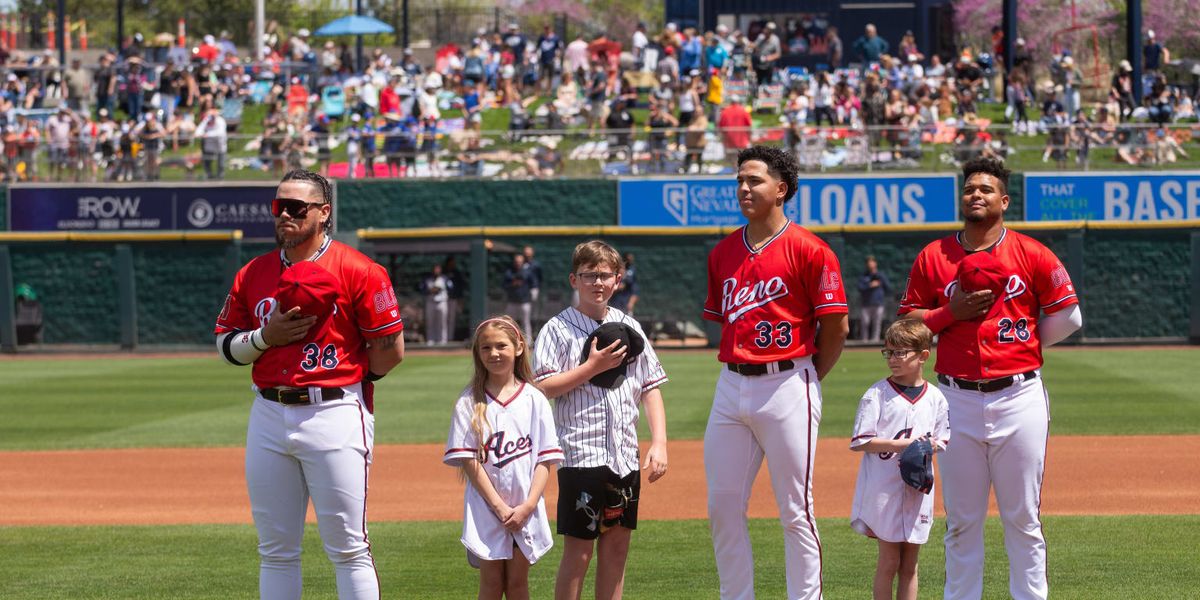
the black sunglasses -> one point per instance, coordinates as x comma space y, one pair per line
296, 209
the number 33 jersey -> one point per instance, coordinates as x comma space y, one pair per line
767, 300
1005, 341
334, 353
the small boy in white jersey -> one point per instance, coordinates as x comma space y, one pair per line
892, 413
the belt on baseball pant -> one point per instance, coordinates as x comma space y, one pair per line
756, 369
298, 395
993, 385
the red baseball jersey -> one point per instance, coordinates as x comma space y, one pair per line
1005, 341
336, 355
767, 300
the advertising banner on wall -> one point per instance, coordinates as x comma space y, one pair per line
819, 200
144, 207
1136, 197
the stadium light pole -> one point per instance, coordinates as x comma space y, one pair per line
358, 39
60, 23
120, 25
260, 17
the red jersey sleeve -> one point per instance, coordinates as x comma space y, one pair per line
826, 290
235, 315
375, 309
919, 292
712, 305
1052, 283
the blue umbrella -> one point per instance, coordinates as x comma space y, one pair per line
354, 25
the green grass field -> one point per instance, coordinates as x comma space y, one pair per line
135, 402
59, 403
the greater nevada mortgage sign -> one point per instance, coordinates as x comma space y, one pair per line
819, 200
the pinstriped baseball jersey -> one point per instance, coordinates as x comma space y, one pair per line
1006, 342
597, 427
767, 300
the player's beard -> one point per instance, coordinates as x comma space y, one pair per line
305, 231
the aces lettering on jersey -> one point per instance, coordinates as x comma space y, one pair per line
506, 452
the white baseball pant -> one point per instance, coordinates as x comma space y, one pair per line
774, 415
322, 451
999, 441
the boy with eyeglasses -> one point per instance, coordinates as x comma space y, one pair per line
596, 389
892, 413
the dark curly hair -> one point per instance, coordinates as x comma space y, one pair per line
317, 180
780, 164
991, 166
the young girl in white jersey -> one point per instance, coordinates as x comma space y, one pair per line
891, 414
502, 436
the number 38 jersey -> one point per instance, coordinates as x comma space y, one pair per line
767, 300
1005, 341
332, 355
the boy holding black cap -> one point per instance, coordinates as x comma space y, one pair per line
596, 365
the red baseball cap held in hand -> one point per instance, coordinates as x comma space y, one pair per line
981, 271
310, 287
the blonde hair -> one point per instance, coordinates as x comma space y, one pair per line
596, 252
521, 370
909, 333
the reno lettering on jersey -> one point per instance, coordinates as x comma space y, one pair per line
767, 300
1005, 342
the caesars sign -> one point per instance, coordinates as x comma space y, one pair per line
135, 208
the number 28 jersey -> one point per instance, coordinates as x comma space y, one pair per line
334, 355
767, 300
1005, 341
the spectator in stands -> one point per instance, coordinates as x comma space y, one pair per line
639, 43
935, 75
1154, 56
870, 46
874, 110
1058, 138
136, 84
823, 108
967, 74
620, 124
150, 132
469, 160
549, 48
690, 51
873, 289
58, 141
908, 47
1121, 90
833, 44
716, 57
575, 56
658, 122
1070, 78
1018, 103
695, 139
715, 95
734, 125
1158, 102
214, 135
544, 162
106, 84
767, 50
77, 82
535, 273
846, 104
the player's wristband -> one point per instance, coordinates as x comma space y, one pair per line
241, 347
372, 377
938, 319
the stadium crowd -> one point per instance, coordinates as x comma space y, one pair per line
148, 108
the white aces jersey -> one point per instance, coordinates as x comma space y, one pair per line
597, 427
521, 437
883, 504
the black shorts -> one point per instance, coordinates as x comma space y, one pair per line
594, 499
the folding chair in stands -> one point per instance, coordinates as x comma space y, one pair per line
333, 101
231, 111
812, 148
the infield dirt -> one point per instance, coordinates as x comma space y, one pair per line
1156, 475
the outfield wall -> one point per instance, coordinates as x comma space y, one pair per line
1135, 280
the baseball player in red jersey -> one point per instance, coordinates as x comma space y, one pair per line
311, 428
995, 298
776, 289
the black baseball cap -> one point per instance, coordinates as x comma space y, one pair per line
604, 336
